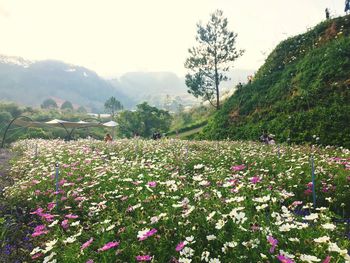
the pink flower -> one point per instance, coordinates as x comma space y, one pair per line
238, 167
273, 242
37, 212
89, 261
65, 224
180, 246
109, 245
86, 244
327, 259
37, 255
152, 184
51, 206
40, 230
71, 216
144, 258
148, 234
255, 179
284, 259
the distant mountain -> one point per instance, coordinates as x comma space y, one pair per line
155, 87
30, 83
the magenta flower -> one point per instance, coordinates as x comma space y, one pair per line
148, 234
255, 179
144, 258
273, 242
86, 244
37, 212
89, 261
152, 184
284, 259
327, 259
51, 206
238, 167
37, 255
65, 224
40, 230
180, 246
109, 245
71, 216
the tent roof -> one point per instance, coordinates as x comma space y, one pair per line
65, 124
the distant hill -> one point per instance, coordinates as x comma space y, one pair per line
30, 83
154, 87
301, 92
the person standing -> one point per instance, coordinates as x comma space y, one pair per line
327, 13
347, 6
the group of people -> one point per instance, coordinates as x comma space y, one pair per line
156, 136
347, 9
267, 138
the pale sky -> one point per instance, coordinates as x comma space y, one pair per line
112, 37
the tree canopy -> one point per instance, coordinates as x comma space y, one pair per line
49, 104
213, 56
67, 105
144, 121
112, 106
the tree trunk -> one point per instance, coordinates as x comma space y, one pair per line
217, 86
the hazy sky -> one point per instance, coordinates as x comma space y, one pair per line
112, 37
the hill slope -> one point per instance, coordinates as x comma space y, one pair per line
302, 90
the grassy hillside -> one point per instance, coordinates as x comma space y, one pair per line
301, 92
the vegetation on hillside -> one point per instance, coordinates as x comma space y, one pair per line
301, 92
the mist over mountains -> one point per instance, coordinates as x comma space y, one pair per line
30, 83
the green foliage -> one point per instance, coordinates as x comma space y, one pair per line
49, 104
302, 90
209, 61
112, 105
67, 105
144, 121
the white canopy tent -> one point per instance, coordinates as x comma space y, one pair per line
57, 123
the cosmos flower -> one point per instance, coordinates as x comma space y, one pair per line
108, 246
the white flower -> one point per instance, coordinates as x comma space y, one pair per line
211, 237
311, 217
53, 223
75, 223
35, 251
328, 226
110, 227
333, 247
210, 216
70, 240
323, 239
309, 259
220, 224
190, 240
185, 260
187, 252
198, 166
49, 245
49, 257
214, 260
205, 256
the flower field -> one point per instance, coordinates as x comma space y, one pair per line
182, 201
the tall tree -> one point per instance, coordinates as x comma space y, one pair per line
213, 56
112, 105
